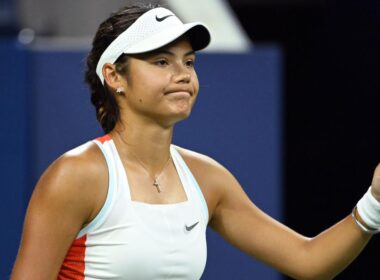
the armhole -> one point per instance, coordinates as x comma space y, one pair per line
193, 182
104, 211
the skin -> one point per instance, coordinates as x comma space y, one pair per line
160, 90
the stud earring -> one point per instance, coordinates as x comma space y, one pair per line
120, 90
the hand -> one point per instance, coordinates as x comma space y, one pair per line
376, 183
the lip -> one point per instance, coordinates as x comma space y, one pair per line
180, 92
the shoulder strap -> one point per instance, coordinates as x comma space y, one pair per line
111, 193
192, 181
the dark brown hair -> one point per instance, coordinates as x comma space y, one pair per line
107, 109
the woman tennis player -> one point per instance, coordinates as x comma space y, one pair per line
131, 205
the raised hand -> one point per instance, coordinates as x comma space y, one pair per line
376, 183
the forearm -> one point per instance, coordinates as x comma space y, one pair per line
338, 246
335, 248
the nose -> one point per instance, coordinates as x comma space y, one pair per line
183, 78
182, 75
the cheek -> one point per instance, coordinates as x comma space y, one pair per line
154, 81
196, 83
147, 86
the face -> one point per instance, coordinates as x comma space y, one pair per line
162, 86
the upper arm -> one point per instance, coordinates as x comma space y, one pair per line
60, 205
239, 221
248, 228
235, 217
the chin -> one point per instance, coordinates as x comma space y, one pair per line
180, 116
182, 110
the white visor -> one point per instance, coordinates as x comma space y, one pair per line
153, 30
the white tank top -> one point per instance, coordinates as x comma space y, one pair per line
135, 240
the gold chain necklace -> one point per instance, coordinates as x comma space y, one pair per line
156, 182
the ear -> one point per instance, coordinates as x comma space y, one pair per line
112, 78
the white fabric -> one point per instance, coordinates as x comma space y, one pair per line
147, 241
228, 34
147, 33
369, 210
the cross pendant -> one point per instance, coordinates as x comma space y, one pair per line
157, 185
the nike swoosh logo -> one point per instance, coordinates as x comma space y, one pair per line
163, 18
191, 227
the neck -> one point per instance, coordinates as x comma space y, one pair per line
149, 143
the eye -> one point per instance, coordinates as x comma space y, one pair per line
190, 63
161, 62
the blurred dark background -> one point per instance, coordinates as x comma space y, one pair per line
332, 102
331, 105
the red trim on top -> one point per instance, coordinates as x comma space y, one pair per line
104, 138
73, 265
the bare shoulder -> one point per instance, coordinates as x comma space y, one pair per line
73, 176
220, 188
195, 158
85, 161
66, 197
83, 164
208, 170
201, 165
213, 178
